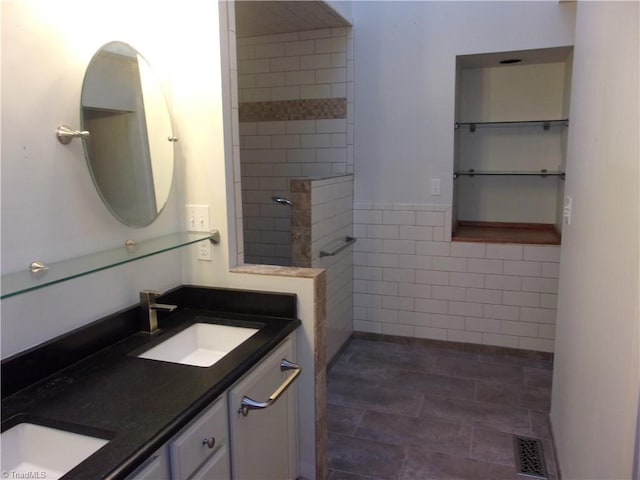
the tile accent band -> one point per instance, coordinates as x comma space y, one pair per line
309, 109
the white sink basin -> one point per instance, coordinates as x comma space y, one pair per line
29, 449
201, 345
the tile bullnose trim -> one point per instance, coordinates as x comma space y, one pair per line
461, 346
276, 270
417, 207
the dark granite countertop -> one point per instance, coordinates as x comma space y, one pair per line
139, 404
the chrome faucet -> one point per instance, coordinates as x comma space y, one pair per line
149, 307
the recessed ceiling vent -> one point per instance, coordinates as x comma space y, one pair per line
509, 61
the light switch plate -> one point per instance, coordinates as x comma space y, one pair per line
566, 210
198, 218
435, 186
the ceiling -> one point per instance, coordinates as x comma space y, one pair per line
255, 18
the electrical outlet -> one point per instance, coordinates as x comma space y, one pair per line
204, 250
435, 186
198, 218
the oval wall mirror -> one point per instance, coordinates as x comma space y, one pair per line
130, 149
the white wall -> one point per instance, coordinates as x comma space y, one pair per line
50, 209
512, 93
409, 278
597, 373
405, 74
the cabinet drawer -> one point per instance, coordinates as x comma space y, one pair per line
206, 435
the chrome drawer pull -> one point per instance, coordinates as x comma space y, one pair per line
247, 404
209, 442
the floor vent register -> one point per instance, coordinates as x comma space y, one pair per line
529, 458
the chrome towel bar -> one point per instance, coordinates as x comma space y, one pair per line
247, 404
347, 241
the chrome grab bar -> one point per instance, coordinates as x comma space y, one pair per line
347, 241
247, 404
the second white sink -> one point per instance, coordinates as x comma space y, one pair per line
200, 345
29, 449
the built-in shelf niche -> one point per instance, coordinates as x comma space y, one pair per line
510, 143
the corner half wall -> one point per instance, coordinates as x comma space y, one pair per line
597, 364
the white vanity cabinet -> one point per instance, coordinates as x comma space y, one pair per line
200, 451
264, 440
222, 443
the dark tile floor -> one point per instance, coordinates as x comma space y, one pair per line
412, 412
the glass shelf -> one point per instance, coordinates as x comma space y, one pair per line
534, 173
546, 124
25, 281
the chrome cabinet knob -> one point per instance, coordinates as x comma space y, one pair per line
209, 442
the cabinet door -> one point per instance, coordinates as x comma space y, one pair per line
264, 442
155, 468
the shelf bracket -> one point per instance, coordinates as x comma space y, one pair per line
65, 134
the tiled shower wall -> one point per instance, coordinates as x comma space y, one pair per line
322, 221
411, 280
295, 92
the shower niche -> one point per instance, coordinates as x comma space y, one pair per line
510, 145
